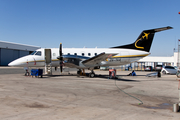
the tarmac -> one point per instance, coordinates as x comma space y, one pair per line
68, 97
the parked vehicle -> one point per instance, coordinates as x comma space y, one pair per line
158, 67
176, 67
169, 70
148, 68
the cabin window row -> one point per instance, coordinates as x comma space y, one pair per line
54, 54
83, 54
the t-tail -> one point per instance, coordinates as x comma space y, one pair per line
144, 40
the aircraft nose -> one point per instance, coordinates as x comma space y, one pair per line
13, 63
10, 64
17, 63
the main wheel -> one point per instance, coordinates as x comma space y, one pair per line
91, 75
79, 72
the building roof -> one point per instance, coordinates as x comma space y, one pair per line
157, 59
17, 46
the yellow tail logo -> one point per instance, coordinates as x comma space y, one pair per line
144, 36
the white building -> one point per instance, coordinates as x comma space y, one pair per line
149, 60
11, 51
152, 61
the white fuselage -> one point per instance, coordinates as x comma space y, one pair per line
91, 58
122, 57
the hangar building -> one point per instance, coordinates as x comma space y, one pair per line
11, 51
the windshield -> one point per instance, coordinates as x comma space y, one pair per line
38, 53
33, 53
169, 67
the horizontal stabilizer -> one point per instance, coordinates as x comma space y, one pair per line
161, 29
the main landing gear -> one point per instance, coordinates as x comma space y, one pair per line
91, 74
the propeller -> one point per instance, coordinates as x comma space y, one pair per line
60, 57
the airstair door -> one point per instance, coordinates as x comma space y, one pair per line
47, 54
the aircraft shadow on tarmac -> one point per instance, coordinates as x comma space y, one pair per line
118, 78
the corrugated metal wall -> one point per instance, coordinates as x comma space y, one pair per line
8, 55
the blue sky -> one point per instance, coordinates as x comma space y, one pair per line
89, 23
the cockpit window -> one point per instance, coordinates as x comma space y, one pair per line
38, 53
33, 52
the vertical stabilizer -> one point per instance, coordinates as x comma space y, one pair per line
144, 40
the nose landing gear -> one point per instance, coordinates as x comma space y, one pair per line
27, 73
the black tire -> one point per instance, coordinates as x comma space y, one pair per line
91, 75
27, 74
78, 72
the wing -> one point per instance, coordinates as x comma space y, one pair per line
96, 60
74, 61
66, 57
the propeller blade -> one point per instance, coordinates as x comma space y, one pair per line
61, 67
61, 58
60, 51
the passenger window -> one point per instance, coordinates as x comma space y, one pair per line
38, 53
82, 54
75, 53
95, 54
68, 54
89, 54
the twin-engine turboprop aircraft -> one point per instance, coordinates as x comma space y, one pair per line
90, 58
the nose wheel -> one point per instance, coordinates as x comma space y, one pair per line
27, 73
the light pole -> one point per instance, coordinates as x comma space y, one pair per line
178, 52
